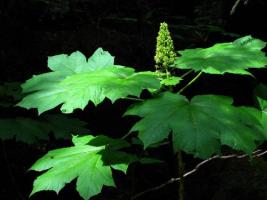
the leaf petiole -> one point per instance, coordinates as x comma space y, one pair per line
133, 98
191, 82
186, 73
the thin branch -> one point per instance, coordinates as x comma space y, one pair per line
257, 153
181, 175
234, 7
237, 2
261, 154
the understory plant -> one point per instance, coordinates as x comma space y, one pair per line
199, 126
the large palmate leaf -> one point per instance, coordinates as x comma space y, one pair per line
29, 130
90, 161
75, 81
233, 57
199, 126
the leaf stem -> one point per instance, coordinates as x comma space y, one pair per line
186, 73
168, 76
190, 83
126, 135
167, 73
133, 98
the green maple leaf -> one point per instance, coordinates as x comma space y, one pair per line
200, 126
29, 130
233, 57
90, 161
77, 62
75, 81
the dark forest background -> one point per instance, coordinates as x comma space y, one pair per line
32, 30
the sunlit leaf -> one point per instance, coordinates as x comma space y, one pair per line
233, 57
90, 164
75, 81
171, 81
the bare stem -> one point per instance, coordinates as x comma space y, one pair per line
234, 7
181, 175
255, 154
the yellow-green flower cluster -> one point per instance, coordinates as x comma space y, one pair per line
165, 54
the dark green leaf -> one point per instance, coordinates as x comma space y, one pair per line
29, 130
200, 126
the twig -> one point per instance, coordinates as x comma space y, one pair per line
257, 153
236, 4
261, 154
181, 175
234, 7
